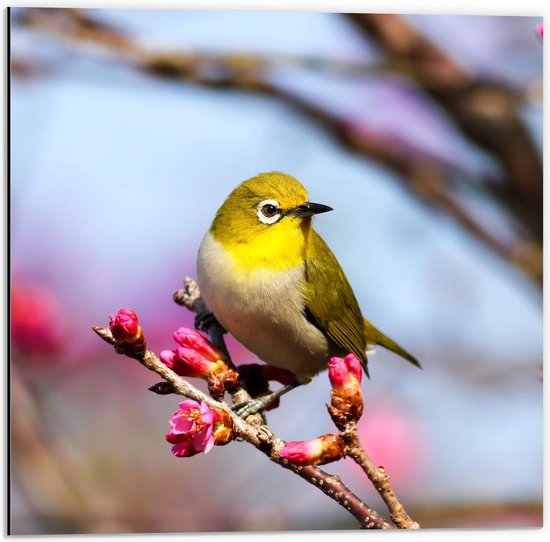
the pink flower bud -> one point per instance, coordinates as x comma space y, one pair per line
187, 362
167, 357
190, 338
196, 357
191, 429
124, 325
196, 363
127, 333
319, 451
345, 374
346, 397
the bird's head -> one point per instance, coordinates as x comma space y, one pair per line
269, 215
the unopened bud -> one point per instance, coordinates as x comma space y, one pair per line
162, 388
319, 451
127, 332
346, 397
190, 338
196, 357
345, 374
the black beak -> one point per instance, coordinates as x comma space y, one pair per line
310, 209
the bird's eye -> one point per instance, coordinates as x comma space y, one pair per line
268, 211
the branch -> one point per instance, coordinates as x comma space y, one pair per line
487, 112
378, 476
262, 439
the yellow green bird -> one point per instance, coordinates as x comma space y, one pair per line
273, 283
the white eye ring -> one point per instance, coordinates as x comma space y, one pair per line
260, 211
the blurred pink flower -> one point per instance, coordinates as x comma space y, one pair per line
37, 323
319, 451
395, 440
191, 429
539, 29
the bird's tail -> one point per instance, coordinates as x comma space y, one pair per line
375, 336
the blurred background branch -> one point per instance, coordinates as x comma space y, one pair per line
485, 111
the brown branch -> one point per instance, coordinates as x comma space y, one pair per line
263, 439
378, 477
333, 487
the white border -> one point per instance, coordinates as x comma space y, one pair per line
454, 7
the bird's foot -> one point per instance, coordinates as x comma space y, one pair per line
252, 406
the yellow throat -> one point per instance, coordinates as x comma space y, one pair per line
255, 245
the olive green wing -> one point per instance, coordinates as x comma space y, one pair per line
330, 303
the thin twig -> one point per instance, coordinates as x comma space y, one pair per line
486, 111
378, 476
264, 440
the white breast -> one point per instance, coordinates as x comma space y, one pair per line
262, 309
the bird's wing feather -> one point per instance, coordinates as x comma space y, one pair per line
330, 302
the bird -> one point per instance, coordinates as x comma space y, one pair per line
272, 282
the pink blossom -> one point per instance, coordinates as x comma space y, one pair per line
319, 451
345, 374
190, 338
196, 357
191, 429
124, 325
539, 29
187, 362
184, 448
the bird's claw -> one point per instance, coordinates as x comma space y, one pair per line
250, 407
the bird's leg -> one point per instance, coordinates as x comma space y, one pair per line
253, 406
204, 319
